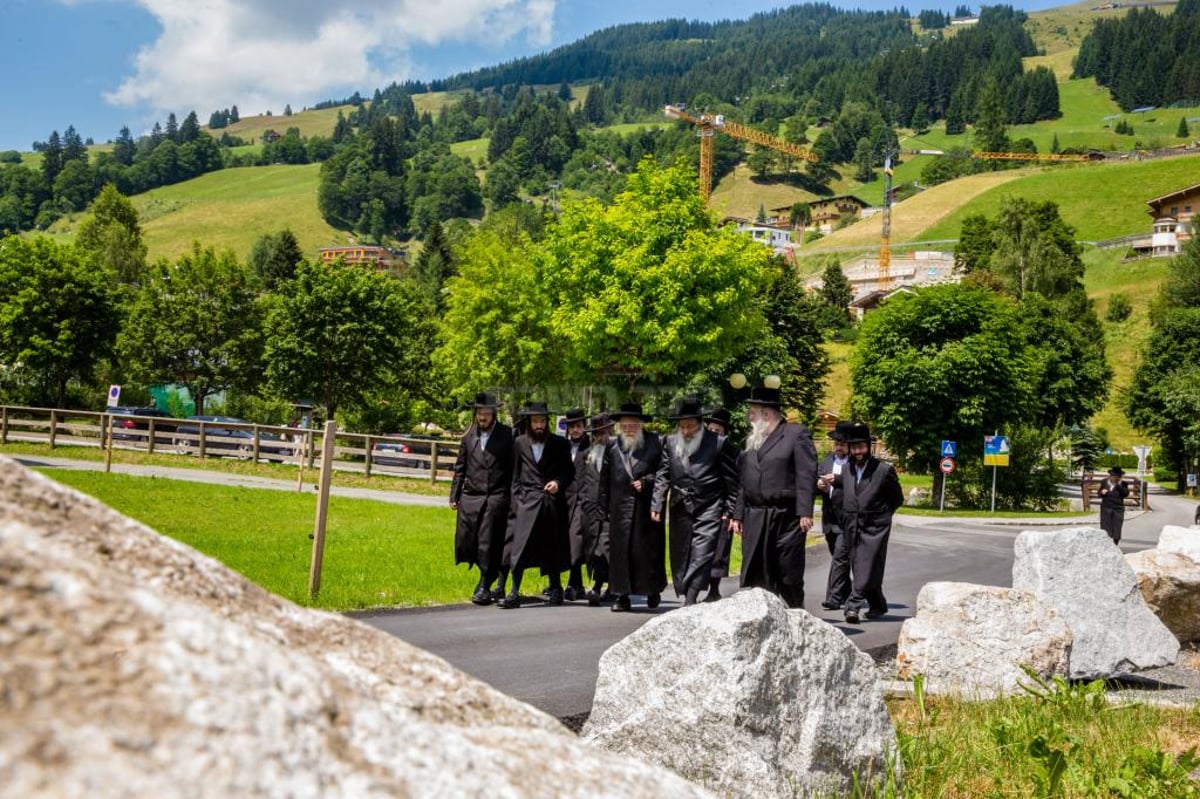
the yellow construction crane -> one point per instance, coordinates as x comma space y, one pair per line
709, 124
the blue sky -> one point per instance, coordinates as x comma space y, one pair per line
102, 64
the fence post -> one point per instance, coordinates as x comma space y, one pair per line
150, 440
369, 441
53, 427
106, 440
4, 425
433, 464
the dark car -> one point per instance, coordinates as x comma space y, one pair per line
234, 440
127, 421
404, 454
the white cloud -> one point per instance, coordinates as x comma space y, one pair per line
261, 54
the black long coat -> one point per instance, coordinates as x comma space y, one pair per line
591, 483
1112, 508
699, 499
866, 510
778, 482
537, 521
837, 586
731, 458
637, 563
481, 485
577, 522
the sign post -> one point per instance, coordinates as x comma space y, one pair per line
946, 465
995, 454
318, 551
114, 399
1142, 451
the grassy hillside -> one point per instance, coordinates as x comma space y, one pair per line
310, 123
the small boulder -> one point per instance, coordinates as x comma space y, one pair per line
975, 640
746, 698
1085, 578
1178, 540
1169, 580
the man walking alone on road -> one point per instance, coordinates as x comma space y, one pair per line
479, 492
1113, 492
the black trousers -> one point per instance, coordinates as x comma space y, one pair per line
837, 587
868, 556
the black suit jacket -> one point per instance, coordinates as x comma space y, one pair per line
782, 473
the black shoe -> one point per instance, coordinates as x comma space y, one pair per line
608, 596
497, 593
830, 605
713, 596
622, 605
573, 593
852, 616
482, 596
555, 596
652, 600
513, 600
593, 598
875, 614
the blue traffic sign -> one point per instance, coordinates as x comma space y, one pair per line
949, 449
995, 450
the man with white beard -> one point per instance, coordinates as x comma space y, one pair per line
636, 541
774, 510
692, 474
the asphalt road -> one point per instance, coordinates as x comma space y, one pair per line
549, 656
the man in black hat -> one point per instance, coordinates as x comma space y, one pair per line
592, 481
479, 492
720, 421
576, 421
837, 587
636, 542
537, 519
870, 494
691, 476
775, 502
1113, 492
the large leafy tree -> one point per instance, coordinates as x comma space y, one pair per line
341, 334
1034, 250
275, 256
496, 331
195, 322
649, 286
112, 235
58, 317
947, 362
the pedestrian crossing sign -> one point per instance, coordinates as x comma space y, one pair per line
949, 449
995, 450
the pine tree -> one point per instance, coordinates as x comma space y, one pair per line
52, 158
287, 110
73, 147
124, 147
1182, 131
172, 127
190, 129
1054, 146
990, 129
233, 115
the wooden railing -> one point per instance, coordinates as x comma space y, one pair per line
362, 452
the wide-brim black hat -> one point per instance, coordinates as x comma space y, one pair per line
839, 431
574, 415
1116, 471
721, 416
484, 400
687, 408
601, 421
535, 409
858, 431
630, 409
761, 395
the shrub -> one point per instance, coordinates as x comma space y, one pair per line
1119, 308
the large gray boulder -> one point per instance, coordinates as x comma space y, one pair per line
1169, 580
133, 666
1085, 578
976, 640
747, 698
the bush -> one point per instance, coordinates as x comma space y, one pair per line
1029, 482
10, 157
1119, 308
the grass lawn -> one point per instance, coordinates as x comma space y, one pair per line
311, 123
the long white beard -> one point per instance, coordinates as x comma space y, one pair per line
632, 443
595, 456
758, 434
685, 448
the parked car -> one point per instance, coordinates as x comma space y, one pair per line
124, 428
401, 453
219, 437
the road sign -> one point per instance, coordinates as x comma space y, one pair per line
995, 450
949, 449
114, 396
946, 465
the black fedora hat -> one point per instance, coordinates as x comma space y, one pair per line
1116, 471
600, 421
630, 409
535, 409
574, 415
761, 395
857, 431
687, 408
484, 400
839, 431
721, 416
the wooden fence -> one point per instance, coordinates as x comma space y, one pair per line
411, 456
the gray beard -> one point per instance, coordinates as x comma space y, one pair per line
685, 448
595, 456
758, 434
632, 443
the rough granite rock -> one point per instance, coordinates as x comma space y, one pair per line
1086, 579
746, 698
973, 640
133, 666
1169, 580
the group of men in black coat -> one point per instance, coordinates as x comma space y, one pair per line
599, 499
